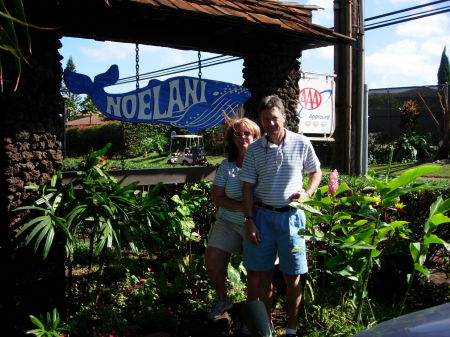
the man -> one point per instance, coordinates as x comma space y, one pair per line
273, 172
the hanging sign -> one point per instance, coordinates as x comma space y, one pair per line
316, 105
186, 102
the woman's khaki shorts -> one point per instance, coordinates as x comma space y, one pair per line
226, 236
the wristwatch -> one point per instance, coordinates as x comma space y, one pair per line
248, 217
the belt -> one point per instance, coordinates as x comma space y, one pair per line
275, 209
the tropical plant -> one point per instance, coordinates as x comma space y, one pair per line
351, 230
94, 206
408, 116
410, 147
50, 326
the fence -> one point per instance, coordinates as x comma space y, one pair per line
384, 109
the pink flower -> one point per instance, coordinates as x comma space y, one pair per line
142, 279
333, 184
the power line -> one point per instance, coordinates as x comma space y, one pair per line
406, 18
405, 10
209, 62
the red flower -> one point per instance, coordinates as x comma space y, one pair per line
333, 184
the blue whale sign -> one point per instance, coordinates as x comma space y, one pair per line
186, 102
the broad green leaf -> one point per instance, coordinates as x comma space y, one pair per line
342, 188
411, 175
304, 207
444, 207
414, 248
375, 253
37, 322
422, 269
438, 219
433, 238
342, 216
357, 245
369, 212
361, 199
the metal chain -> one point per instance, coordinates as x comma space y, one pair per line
199, 65
137, 65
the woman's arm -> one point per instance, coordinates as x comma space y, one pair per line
221, 200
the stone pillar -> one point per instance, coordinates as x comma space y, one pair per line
30, 133
273, 73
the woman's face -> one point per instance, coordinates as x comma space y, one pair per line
242, 137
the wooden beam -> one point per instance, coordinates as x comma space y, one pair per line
153, 176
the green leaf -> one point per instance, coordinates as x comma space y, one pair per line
304, 207
422, 269
357, 245
411, 175
343, 187
375, 253
433, 238
37, 322
414, 249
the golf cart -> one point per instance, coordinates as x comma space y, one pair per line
186, 150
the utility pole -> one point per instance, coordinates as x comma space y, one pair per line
349, 68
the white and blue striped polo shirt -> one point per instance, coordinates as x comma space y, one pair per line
227, 176
276, 170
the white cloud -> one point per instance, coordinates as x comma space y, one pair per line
108, 51
324, 53
325, 16
400, 64
432, 26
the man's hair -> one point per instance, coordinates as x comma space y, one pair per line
269, 102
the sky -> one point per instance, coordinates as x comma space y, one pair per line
405, 54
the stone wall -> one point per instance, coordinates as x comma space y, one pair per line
30, 153
273, 73
32, 124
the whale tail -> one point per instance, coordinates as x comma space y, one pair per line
82, 84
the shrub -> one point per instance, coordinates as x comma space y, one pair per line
79, 141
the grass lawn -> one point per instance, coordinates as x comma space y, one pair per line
398, 168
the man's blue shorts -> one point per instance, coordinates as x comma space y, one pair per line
279, 235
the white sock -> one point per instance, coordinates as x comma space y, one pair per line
290, 331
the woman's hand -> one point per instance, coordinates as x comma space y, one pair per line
252, 232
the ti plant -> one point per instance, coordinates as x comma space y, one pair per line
353, 227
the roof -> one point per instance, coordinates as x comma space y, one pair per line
231, 27
88, 121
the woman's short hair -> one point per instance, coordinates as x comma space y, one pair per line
230, 128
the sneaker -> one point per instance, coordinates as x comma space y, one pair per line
219, 308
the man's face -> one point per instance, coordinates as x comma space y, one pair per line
272, 121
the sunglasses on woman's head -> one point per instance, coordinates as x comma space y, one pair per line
245, 133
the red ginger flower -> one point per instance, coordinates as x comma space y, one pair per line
333, 184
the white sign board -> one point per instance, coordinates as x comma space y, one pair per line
316, 105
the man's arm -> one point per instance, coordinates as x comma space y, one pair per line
314, 181
313, 184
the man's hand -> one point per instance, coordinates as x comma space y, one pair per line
299, 194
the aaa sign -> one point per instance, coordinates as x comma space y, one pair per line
316, 105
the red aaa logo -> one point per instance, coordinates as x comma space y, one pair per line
309, 98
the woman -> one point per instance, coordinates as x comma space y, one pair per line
227, 232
